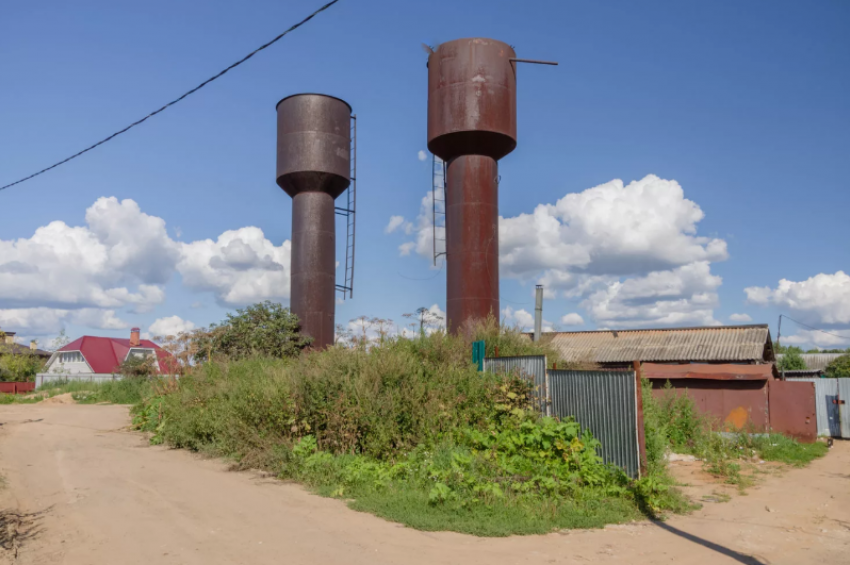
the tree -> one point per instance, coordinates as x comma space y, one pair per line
60, 341
792, 360
265, 328
839, 367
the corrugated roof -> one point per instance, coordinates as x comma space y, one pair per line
815, 361
719, 343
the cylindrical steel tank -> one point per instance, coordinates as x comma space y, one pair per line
472, 99
471, 125
313, 166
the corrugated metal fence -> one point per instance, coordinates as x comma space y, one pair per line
604, 402
833, 416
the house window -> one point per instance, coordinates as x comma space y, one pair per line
140, 353
71, 357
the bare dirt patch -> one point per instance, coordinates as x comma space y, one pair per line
100, 495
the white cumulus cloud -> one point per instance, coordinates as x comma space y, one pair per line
171, 325
395, 223
682, 296
629, 251
240, 267
822, 299
740, 318
121, 259
524, 320
572, 319
422, 155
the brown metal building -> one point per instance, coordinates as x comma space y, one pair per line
729, 372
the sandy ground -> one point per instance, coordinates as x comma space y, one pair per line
80, 489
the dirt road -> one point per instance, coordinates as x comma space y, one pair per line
80, 489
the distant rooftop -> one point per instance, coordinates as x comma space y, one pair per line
815, 362
741, 344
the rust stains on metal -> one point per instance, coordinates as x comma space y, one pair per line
471, 125
313, 157
472, 240
472, 99
719, 372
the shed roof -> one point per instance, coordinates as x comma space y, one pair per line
715, 371
750, 344
105, 354
816, 362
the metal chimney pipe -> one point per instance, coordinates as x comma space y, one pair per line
538, 312
313, 167
471, 125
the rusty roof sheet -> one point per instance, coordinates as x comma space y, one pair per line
714, 371
815, 361
719, 343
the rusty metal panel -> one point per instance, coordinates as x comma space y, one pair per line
843, 403
792, 409
604, 402
730, 343
731, 404
472, 99
472, 240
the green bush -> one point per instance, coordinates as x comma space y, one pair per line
407, 429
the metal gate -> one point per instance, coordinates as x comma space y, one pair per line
826, 405
832, 401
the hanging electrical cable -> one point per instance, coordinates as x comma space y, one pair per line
176, 100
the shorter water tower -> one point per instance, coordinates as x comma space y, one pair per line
314, 167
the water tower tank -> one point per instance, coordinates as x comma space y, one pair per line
313, 167
471, 125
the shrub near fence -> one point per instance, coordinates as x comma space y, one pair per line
604, 402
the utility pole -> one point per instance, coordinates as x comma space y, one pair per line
538, 311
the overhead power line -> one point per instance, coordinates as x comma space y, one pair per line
176, 100
813, 328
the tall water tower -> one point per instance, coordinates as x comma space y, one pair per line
471, 125
314, 167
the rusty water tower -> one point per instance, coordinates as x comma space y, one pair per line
314, 167
471, 125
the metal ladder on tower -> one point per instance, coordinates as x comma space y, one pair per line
349, 211
438, 206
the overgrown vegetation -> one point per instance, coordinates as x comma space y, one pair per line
406, 429
792, 360
839, 367
16, 363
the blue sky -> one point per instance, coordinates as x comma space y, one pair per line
739, 109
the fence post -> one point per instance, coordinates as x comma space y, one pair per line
640, 426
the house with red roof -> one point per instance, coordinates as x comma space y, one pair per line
99, 357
